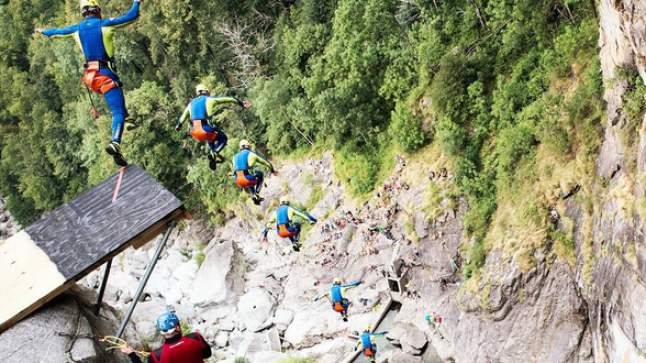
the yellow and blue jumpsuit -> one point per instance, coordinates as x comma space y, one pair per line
369, 347
201, 111
339, 301
95, 38
244, 175
286, 228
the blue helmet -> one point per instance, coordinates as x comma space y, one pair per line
167, 321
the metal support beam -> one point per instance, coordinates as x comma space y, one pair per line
104, 283
143, 282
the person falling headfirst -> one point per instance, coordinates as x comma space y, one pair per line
336, 294
286, 227
369, 348
245, 176
94, 37
177, 348
201, 110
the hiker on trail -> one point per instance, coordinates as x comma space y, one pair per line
283, 217
336, 295
201, 110
177, 348
245, 176
369, 348
94, 37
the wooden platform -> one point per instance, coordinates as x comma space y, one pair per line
49, 256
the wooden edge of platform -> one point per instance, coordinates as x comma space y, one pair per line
138, 241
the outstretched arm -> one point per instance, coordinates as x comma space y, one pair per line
380, 333
183, 117
271, 221
301, 214
348, 287
255, 158
124, 20
54, 32
327, 293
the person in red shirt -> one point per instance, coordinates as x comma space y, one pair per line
177, 348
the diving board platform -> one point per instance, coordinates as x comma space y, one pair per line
52, 254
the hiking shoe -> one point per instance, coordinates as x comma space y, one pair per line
212, 163
131, 124
114, 149
219, 158
296, 247
257, 199
345, 319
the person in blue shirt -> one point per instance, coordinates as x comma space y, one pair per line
336, 295
369, 348
95, 38
201, 110
283, 217
244, 174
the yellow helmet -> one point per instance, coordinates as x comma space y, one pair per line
201, 88
284, 200
367, 329
87, 4
337, 281
245, 144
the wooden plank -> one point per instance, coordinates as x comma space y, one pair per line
28, 275
93, 227
52, 254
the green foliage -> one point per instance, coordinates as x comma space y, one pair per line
406, 128
240, 360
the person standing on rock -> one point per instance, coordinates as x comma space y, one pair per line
369, 348
177, 348
201, 110
336, 295
283, 217
94, 37
245, 176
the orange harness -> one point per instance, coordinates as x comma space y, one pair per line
200, 134
242, 181
96, 81
284, 232
338, 307
368, 352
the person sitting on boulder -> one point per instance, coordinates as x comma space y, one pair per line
286, 228
336, 295
245, 176
369, 346
177, 348
201, 110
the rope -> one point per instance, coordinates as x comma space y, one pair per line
118, 186
118, 343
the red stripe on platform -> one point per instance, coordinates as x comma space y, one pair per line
116, 188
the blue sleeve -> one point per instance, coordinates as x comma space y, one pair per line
380, 333
61, 32
124, 20
353, 285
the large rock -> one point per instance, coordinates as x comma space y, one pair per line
413, 341
282, 318
217, 278
58, 332
273, 340
256, 308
